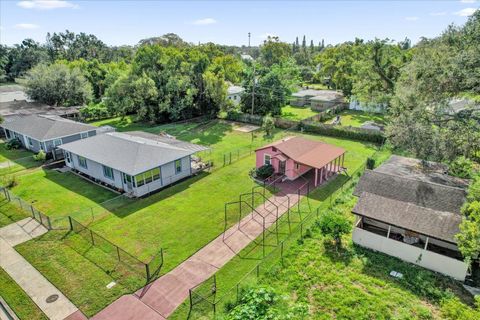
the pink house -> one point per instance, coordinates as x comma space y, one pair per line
295, 156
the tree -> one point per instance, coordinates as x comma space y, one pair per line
268, 125
70, 46
335, 225
57, 84
22, 57
273, 51
468, 238
440, 69
304, 43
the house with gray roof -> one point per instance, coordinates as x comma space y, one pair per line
44, 132
137, 163
319, 100
411, 209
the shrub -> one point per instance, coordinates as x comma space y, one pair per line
264, 171
461, 167
361, 134
268, 125
334, 225
40, 156
370, 163
13, 144
95, 111
254, 304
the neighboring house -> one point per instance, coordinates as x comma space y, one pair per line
326, 99
367, 107
317, 99
234, 93
458, 105
42, 132
293, 157
135, 162
411, 210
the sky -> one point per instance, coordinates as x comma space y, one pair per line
229, 22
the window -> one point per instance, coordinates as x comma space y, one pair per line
178, 166
83, 135
30, 142
156, 174
267, 159
57, 142
297, 166
108, 172
147, 176
67, 156
82, 162
139, 180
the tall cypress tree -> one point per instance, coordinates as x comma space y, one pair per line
304, 43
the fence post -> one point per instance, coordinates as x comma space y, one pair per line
118, 253
258, 271
230, 153
301, 230
91, 236
281, 252
8, 195
70, 222
191, 300
147, 269
33, 211
224, 159
49, 223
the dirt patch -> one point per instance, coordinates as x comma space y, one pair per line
242, 127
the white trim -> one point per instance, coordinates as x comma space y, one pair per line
265, 159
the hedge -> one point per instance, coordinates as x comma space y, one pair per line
361, 134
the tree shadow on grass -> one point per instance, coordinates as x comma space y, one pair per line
362, 117
121, 206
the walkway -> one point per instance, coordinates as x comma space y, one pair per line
160, 299
26, 276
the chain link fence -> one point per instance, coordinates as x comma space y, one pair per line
208, 306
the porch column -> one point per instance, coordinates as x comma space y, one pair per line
426, 244
321, 175
343, 159
316, 177
388, 232
337, 164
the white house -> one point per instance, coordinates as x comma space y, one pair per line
134, 162
234, 94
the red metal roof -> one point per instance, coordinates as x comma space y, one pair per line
312, 153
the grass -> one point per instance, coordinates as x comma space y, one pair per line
356, 118
180, 219
297, 113
18, 300
352, 283
64, 261
10, 213
15, 160
60, 194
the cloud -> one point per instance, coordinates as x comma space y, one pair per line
412, 18
436, 14
46, 4
26, 26
468, 1
466, 12
204, 22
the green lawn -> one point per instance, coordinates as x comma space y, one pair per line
15, 160
353, 283
60, 194
10, 212
64, 261
180, 219
356, 118
297, 113
18, 300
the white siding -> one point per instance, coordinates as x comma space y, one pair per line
430, 260
95, 170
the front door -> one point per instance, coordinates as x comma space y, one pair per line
127, 180
281, 167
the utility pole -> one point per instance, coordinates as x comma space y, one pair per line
249, 39
253, 88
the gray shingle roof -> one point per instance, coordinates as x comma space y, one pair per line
169, 140
125, 152
235, 90
434, 223
43, 127
421, 193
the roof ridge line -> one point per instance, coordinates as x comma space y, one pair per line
417, 180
